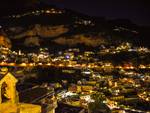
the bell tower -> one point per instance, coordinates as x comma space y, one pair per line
9, 100
8, 93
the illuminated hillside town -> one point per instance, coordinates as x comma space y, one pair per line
55, 60
84, 77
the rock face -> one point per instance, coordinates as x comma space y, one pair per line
32, 35
41, 31
4, 41
32, 41
80, 39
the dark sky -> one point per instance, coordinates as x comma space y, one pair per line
136, 10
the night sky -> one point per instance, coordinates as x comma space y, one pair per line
136, 10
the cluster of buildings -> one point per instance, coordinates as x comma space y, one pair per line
123, 47
37, 12
116, 88
120, 93
72, 58
84, 22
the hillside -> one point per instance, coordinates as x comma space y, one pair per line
45, 26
